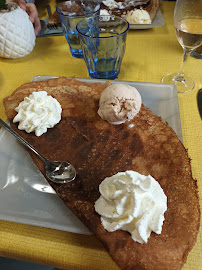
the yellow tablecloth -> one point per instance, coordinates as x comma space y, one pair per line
150, 54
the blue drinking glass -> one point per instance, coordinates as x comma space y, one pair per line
103, 40
70, 13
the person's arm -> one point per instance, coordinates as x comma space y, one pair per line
31, 11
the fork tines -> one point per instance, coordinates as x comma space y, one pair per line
51, 26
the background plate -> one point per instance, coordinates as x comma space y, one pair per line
26, 197
158, 21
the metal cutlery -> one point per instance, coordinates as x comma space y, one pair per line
50, 26
199, 101
59, 172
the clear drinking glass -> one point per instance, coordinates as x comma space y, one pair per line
70, 13
103, 40
188, 26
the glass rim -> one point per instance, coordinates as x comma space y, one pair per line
122, 19
78, 16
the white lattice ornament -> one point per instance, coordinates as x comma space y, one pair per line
17, 37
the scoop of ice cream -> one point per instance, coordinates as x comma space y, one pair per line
138, 16
119, 103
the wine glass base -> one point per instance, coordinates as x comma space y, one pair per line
184, 86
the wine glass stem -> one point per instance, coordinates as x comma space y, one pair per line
180, 75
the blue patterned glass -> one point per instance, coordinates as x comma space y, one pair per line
103, 41
70, 13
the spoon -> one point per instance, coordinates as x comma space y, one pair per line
59, 172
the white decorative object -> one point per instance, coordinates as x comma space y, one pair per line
17, 37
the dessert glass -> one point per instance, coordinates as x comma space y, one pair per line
70, 13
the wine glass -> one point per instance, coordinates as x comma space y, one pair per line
188, 27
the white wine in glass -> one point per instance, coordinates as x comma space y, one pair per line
188, 27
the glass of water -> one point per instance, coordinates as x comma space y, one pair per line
103, 40
70, 13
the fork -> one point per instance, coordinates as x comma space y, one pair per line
50, 26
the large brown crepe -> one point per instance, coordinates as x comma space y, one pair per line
151, 6
98, 150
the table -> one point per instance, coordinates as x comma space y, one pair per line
150, 54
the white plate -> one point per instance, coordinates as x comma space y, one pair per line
26, 197
158, 21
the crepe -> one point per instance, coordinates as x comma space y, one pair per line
151, 6
98, 150
54, 19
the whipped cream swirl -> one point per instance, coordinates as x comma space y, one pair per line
114, 4
37, 113
132, 202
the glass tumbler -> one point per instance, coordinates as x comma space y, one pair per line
103, 40
70, 13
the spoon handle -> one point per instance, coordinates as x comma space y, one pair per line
23, 141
